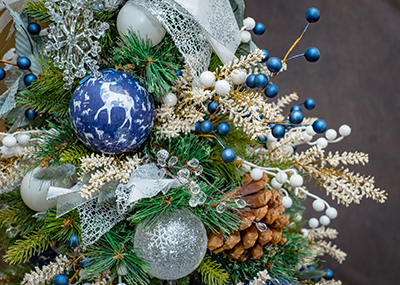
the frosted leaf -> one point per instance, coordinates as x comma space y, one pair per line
221, 207
240, 203
184, 173
194, 188
199, 170
261, 227
193, 163
173, 160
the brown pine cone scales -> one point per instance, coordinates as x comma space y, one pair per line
266, 207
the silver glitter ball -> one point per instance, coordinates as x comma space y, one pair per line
174, 246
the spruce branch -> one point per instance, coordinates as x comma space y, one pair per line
211, 272
37, 10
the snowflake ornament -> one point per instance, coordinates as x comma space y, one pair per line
72, 38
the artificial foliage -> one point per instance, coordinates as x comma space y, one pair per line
223, 148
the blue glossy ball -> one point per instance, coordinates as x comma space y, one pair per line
329, 274
24, 62
29, 78
246, 112
319, 126
271, 91
262, 139
33, 29
85, 262
73, 240
309, 104
61, 279
296, 117
259, 29
316, 279
313, 15
278, 131
197, 129
288, 126
178, 72
265, 55
112, 114
295, 108
206, 127
30, 114
228, 155
294, 147
223, 129
250, 81
2, 74
312, 267
274, 64
213, 107
312, 54
243, 88
261, 80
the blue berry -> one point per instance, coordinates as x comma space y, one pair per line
278, 131
288, 126
319, 126
295, 108
29, 78
250, 81
274, 64
24, 62
197, 129
316, 279
85, 262
61, 279
213, 107
30, 114
271, 91
206, 127
262, 139
261, 80
312, 267
178, 72
294, 147
228, 155
259, 29
296, 117
33, 29
2, 74
312, 15
329, 274
243, 88
312, 54
309, 104
73, 240
265, 55
223, 129
246, 112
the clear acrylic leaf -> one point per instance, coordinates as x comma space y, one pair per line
7, 100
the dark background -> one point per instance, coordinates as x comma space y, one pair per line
355, 82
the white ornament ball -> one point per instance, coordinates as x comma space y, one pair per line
256, 174
331, 212
287, 202
222, 87
324, 220
344, 130
134, 17
281, 177
246, 36
7, 152
296, 180
307, 137
331, 134
249, 23
207, 79
170, 99
238, 76
305, 232
310, 131
9, 141
23, 139
322, 142
318, 205
275, 184
18, 151
313, 223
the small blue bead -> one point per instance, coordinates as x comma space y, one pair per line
295, 108
329, 274
33, 29
223, 129
250, 81
261, 80
294, 147
213, 107
30, 114
312, 54
259, 29
309, 104
313, 15
178, 72
245, 111
73, 240
2, 74
287, 122
296, 117
29, 78
197, 129
61, 279
274, 64
278, 131
271, 91
316, 279
228, 155
271, 125
24, 62
265, 55
206, 127
312, 267
319, 126
262, 139
85, 262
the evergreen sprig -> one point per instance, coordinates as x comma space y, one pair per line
211, 272
37, 10
60, 229
73, 154
14, 275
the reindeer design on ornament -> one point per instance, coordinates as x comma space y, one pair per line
112, 99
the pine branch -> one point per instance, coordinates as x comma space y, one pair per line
38, 11
60, 229
211, 272
73, 154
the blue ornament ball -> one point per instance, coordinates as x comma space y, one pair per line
2, 74
250, 81
319, 126
261, 80
223, 129
312, 267
112, 114
73, 240
213, 107
33, 29
271, 91
309, 104
24, 62
296, 117
274, 64
278, 131
265, 55
178, 72
29, 78
316, 279
329, 274
228, 155
30, 114
262, 139
259, 29
61, 279
313, 15
206, 127
312, 54
295, 108
197, 129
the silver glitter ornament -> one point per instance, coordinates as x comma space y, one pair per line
174, 246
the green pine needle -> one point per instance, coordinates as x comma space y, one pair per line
73, 154
211, 272
60, 229
38, 11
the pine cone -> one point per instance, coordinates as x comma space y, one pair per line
266, 207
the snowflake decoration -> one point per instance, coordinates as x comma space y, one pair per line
72, 38
162, 237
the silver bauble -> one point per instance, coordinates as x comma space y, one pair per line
174, 246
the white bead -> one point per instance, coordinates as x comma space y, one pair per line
9, 141
7, 152
256, 174
296, 180
271, 138
318, 205
287, 202
207, 79
324, 220
307, 137
313, 223
281, 177
331, 134
170, 99
322, 142
305, 232
331, 212
222, 87
238, 76
310, 131
18, 151
249, 23
275, 184
246, 36
23, 139
344, 130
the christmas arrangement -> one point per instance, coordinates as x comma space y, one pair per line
147, 144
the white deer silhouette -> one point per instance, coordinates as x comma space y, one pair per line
112, 99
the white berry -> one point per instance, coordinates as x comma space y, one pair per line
9, 141
318, 205
287, 202
331, 212
246, 36
296, 180
281, 177
256, 174
307, 137
18, 151
170, 99
271, 138
310, 131
322, 142
207, 78
344, 130
23, 139
7, 152
305, 232
331, 134
238, 76
275, 184
222, 87
249, 23
324, 220
313, 223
